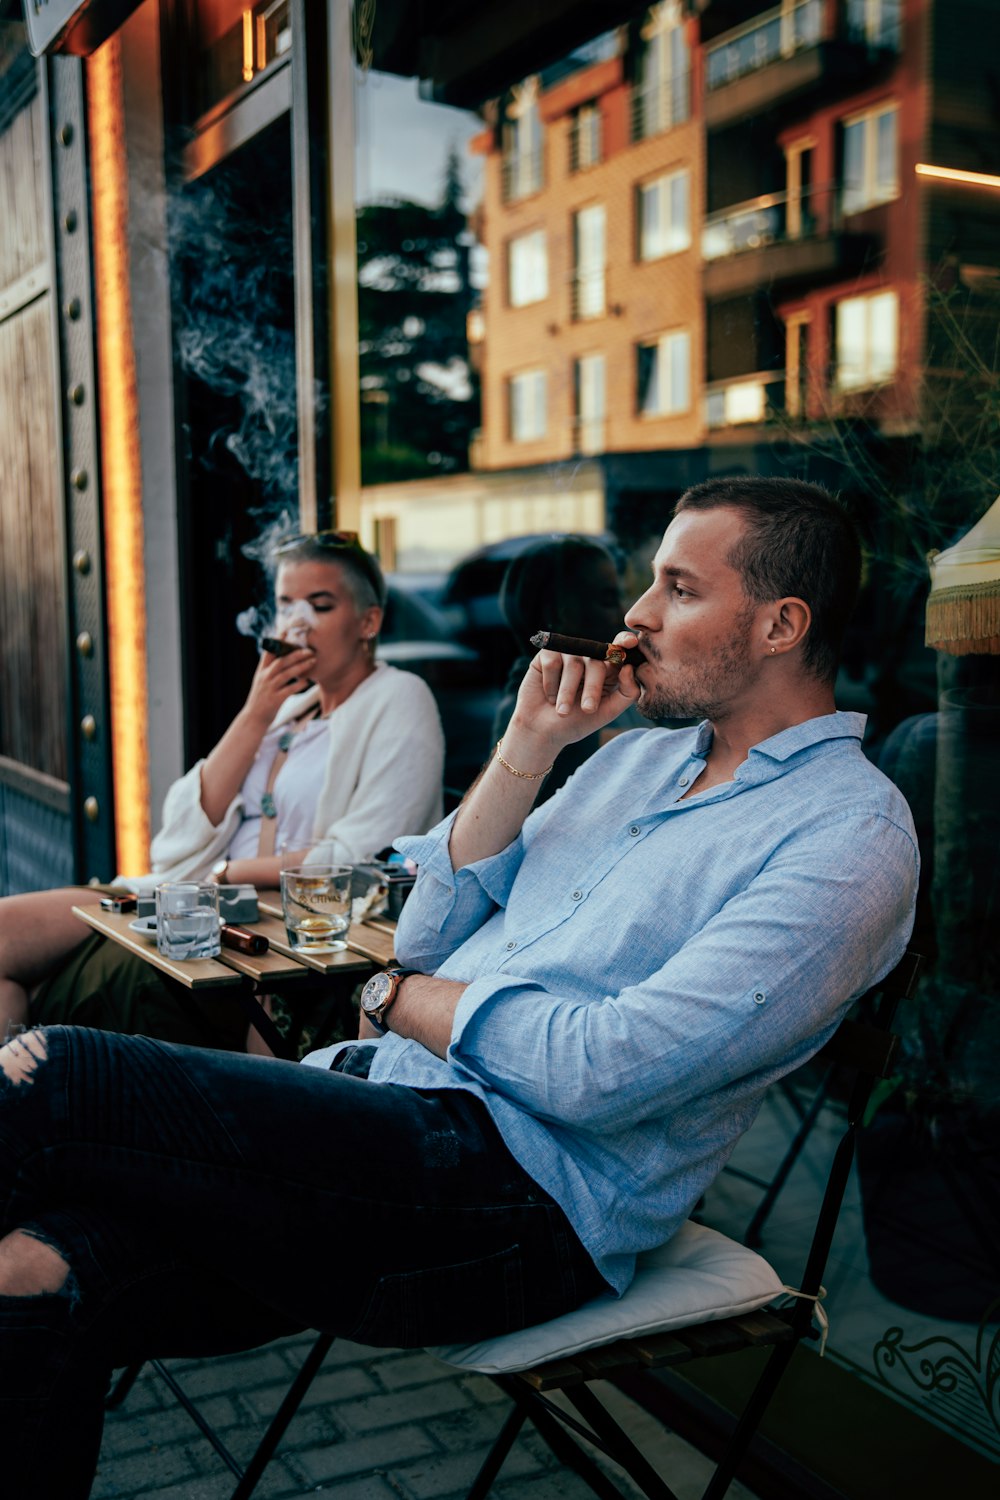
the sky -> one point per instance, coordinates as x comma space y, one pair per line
403, 142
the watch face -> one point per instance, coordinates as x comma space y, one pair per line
375, 991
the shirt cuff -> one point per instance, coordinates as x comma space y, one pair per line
492, 876
478, 1000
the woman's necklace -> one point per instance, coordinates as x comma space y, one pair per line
268, 806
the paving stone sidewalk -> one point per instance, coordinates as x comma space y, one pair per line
376, 1424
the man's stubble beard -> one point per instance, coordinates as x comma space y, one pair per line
711, 686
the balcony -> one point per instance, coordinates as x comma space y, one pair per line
522, 174
779, 239
747, 401
778, 56
589, 434
588, 294
661, 105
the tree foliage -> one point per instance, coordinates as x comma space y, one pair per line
419, 395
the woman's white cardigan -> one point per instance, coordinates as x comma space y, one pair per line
384, 772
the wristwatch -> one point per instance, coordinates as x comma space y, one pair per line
379, 993
219, 871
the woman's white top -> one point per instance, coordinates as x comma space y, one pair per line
381, 776
296, 788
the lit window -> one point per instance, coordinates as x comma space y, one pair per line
528, 401
867, 335
527, 269
588, 261
585, 138
591, 402
664, 375
871, 173
662, 94
664, 215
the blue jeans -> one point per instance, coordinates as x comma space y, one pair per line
207, 1202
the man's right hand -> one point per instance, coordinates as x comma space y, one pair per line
564, 698
561, 699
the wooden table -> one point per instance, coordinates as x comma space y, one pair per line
369, 946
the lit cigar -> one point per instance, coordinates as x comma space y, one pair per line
279, 648
577, 645
242, 940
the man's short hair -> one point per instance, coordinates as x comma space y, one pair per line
799, 541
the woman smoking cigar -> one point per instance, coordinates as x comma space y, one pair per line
332, 756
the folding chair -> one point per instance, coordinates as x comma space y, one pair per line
702, 1294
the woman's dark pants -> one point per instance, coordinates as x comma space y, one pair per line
207, 1202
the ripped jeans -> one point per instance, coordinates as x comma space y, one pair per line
207, 1202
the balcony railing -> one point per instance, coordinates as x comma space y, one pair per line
747, 401
766, 39
522, 174
588, 294
585, 147
661, 105
768, 220
590, 434
878, 26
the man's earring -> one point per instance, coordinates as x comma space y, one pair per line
773, 649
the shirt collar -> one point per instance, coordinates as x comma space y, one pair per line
835, 726
788, 742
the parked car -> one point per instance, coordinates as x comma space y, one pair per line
420, 636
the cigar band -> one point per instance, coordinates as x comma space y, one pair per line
615, 656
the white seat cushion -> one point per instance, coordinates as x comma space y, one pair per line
696, 1277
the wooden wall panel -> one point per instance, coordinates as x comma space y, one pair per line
22, 208
32, 586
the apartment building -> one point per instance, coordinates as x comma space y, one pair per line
592, 325
716, 230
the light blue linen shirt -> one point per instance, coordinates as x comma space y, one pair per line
641, 968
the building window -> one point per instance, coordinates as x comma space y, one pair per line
527, 269
867, 340
663, 372
797, 364
386, 542
871, 173
522, 143
662, 93
876, 22
589, 262
663, 215
590, 402
585, 138
528, 402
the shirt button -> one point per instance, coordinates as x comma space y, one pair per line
577, 895
684, 781
634, 830
510, 946
759, 997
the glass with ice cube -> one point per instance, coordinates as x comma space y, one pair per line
316, 901
187, 920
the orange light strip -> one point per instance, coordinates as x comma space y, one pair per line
955, 174
121, 468
248, 46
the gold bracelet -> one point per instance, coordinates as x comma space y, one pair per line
524, 775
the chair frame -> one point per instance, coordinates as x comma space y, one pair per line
868, 1048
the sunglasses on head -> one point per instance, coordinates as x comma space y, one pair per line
336, 541
333, 540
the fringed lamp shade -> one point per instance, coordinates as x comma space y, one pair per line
963, 609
